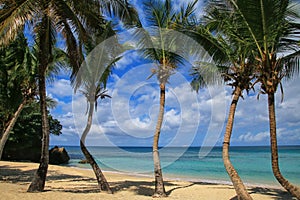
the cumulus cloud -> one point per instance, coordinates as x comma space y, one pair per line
60, 88
130, 116
250, 137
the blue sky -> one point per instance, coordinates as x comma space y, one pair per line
191, 119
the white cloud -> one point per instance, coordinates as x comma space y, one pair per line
138, 118
172, 118
250, 138
127, 59
60, 88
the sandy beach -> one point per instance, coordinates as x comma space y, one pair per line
74, 183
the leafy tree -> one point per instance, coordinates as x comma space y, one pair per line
269, 28
159, 44
73, 19
275, 32
17, 84
24, 142
91, 82
237, 68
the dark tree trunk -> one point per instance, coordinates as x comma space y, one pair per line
44, 54
38, 182
102, 182
295, 191
239, 187
10, 126
159, 183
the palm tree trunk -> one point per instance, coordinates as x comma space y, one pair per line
239, 187
38, 182
102, 182
159, 183
10, 126
44, 53
295, 191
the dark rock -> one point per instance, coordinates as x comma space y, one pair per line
58, 156
83, 162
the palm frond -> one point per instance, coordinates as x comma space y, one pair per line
13, 17
60, 61
121, 9
291, 65
75, 56
46, 39
51, 103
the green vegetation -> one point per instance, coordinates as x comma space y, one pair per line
24, 142
252, 43
163, 53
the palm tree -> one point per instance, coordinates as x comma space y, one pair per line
49, 17
162, 43
221, 39
281, 34
91, 81
73, 20
92, 95
273, 27
18, 82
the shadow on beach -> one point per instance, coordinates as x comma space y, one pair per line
275, 194
58, 181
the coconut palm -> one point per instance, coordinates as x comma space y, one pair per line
91, 81
220, 37
73, 20
158, 43
273, 27
278, 35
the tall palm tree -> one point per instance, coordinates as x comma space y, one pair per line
162, 42
279, 35
91, 81
220, 37
273, 27
73, 20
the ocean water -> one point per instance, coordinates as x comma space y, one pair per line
252, 163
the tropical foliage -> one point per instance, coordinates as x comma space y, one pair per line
158, 43
257, 32
251, 42
91, 82
17, 83
24, 141
73, 20
235, 62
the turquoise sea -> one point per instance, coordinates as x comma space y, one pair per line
252, 163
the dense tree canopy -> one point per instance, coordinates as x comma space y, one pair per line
24, 142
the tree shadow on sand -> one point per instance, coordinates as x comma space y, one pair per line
83, 184
276, 194
72, 183
138, 187
14, 175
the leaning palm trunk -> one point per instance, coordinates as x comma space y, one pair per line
239, 187
10, 126
38, 182
295, 191
102, 182
159, 183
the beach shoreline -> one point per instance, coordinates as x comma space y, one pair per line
182, 179
66, 182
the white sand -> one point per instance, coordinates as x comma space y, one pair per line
73, 183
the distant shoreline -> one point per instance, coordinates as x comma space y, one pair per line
62, 145
174, 178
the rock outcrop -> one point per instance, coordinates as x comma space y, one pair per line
58, 156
